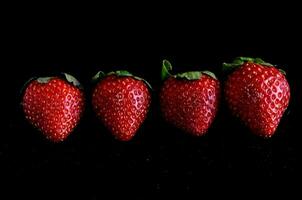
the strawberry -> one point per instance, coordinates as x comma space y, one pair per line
53, 105
257, 93
121, 101
189, 100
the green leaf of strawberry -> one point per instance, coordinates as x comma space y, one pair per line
191, 75
239, 61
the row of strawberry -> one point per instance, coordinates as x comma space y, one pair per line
255, 91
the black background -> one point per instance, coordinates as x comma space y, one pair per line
160, 157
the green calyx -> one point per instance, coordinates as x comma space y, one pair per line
191, 75
72, 80
100, 75
44, 79
165, 69
237, 62
282, 71
69, 78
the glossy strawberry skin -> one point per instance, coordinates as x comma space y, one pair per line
190, 105
55, 107
122, 104
258, 95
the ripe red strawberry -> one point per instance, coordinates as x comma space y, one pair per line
53, 105
189, 100
121, 101
257, 93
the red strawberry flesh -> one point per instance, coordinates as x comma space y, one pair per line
258, 95
190, 104
54, 107
122, 104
